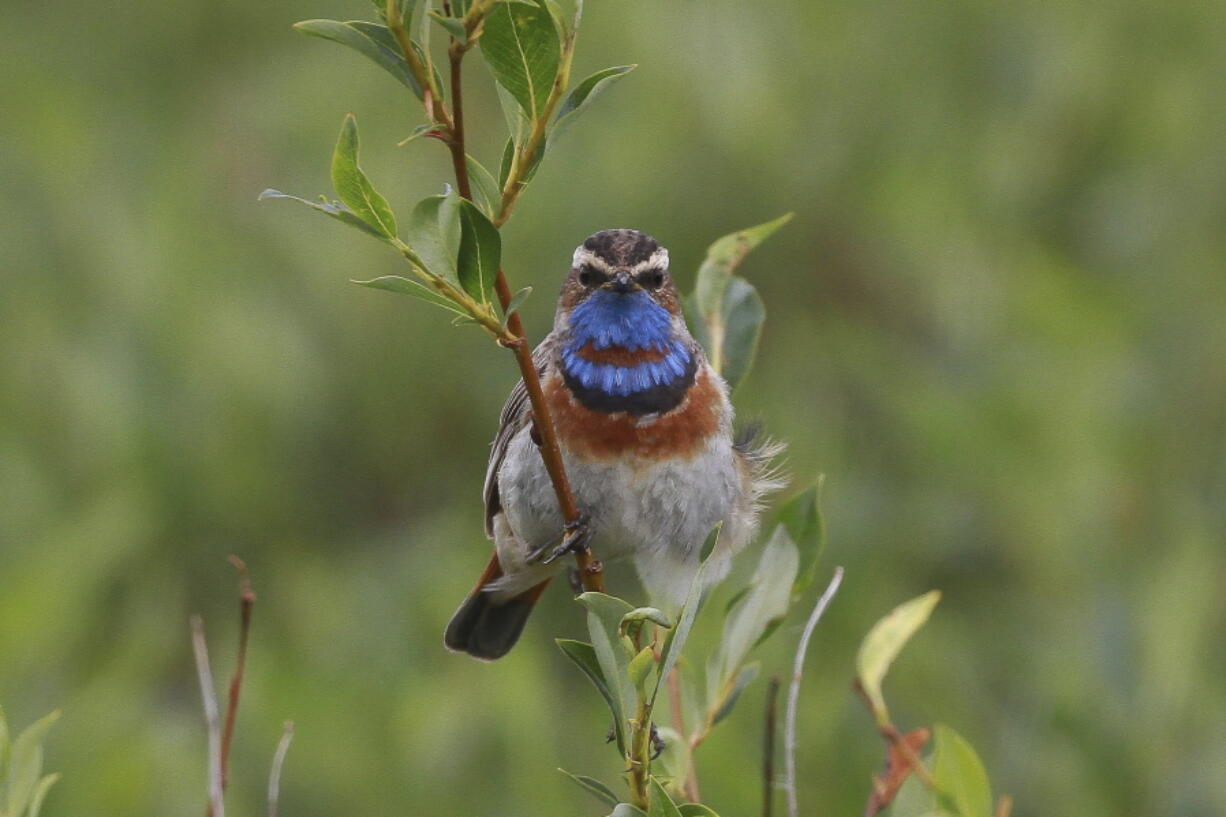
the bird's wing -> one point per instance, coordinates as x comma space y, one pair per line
516, 414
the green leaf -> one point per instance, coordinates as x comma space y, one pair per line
767, 601
802, 516
40, 794
914, 799
454, 27
434, 233
582, 96
517, 301
723, 257
659, 804
584, 657
959, 775
602, 792
26, 764
352, 186
480, 252
695, 810
520, 43
675, 642
626, 810
744, 678
604, 615
744, 314
488, 195
418, 132
334, 209
674, 761
371, 40
883, 643
639, 668
407, 286
641, 614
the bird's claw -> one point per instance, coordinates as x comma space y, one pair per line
578, 533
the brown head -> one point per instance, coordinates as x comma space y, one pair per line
621, 261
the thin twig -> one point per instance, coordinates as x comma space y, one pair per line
211, 718
246, 603
789, 736
768, 748
278, 760
690, 784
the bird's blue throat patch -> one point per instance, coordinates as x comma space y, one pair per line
633, 322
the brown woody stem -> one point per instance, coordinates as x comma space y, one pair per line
247, 603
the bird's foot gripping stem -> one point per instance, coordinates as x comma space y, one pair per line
575, 539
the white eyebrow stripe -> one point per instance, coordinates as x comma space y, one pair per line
659, 258
585, 257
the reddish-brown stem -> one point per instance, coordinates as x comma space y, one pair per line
768, 748
247, 603
459, 156
591, 572
690, 784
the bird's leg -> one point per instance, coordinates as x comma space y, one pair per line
575, 538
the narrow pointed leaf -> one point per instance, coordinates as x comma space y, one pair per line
640, 667
659, 803
593, 786
40, 794
583, 95
454, 27
480, 252
407, 286
723, 257
517, 301
26, 763
604, 615
434, 233
802, 516
371, 40
521, 45
959, 774
584, 657
675, 642
744, 678
883, 643
744, 314
762, 607
626, 810
487, 193
695, 810
352, 186
334, 209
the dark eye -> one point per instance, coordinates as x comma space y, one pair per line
587, 277
653, 279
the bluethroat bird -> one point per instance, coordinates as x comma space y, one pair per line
645, 428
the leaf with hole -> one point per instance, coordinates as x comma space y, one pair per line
883, 643
521, 45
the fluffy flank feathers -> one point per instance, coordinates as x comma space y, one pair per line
766, 476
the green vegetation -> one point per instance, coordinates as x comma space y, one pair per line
994, 323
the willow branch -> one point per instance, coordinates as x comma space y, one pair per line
768, 748
512, 334
432, 98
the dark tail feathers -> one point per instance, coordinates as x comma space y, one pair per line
488, 629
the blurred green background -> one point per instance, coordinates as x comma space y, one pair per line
996, 324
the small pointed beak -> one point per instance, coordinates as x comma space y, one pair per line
622, 283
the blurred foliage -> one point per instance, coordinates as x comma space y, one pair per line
994, 323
